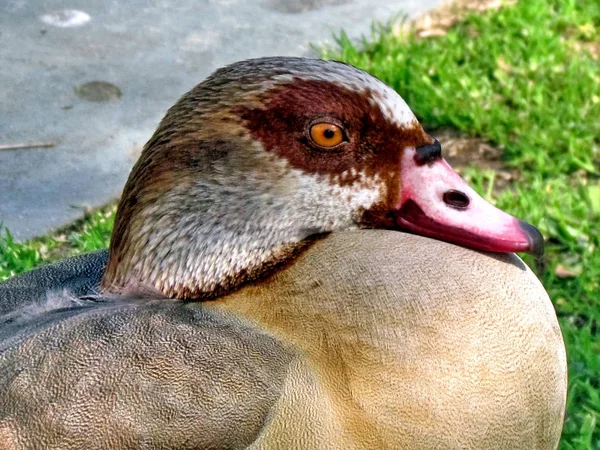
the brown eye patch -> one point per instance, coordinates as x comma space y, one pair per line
326, 134
372, 144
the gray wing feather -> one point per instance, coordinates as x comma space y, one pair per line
131, 375
80, 276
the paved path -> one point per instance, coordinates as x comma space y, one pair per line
96, 82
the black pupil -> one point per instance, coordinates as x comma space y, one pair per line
329, 133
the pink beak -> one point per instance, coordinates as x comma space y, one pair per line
436, 202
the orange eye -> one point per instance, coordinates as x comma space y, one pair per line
326, 134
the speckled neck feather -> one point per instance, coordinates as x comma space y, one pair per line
228, 187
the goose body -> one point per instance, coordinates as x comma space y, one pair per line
243, 304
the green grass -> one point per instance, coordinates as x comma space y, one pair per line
522, 78
90, 233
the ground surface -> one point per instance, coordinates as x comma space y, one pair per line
96, 89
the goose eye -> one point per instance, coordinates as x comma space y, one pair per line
326, 134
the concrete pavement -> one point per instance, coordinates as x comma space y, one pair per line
94, 78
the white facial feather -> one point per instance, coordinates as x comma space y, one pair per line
392, 105
215, 230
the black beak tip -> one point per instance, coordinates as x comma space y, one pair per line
536, 240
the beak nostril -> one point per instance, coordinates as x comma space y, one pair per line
456, 199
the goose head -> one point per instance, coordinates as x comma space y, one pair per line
263, 155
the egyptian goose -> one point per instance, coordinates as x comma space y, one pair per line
297, 325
